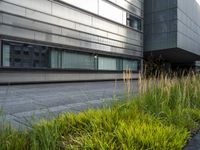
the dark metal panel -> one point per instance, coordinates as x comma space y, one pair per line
160, 30
189, 26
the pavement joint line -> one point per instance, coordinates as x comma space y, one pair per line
17, 102
40, 104
22, 123
63, 85
60, 108
35, 101
14, 118
84, 93
71, 98
39, 101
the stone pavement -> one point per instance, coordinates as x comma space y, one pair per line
194, 144
24, 104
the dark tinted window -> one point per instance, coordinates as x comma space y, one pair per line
24, 55
134, 22
20, 55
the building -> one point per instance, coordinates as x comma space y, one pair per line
172, 32
69, 40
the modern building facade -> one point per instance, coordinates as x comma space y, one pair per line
69, 40
172, 32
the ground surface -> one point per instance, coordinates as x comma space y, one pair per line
24, 104
194, 144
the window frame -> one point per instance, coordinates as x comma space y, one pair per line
128, 16
94, 54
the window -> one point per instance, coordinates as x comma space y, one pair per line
109, 63
130, 64
134, 22
105, 63
55, 58
77, 61
20, 55
6, 55
24, 55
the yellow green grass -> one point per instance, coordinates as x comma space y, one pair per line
161, 117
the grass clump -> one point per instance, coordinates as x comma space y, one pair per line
173, 100
162, 116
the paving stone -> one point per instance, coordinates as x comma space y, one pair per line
27, 104
194, 144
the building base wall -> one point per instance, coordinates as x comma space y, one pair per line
23, 77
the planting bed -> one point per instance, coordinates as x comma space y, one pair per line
162, 116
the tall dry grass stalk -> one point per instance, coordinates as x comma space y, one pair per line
167, 93
127, 78
162, 117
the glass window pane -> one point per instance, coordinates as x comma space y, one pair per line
105, 63
134, 22
44, 57
77, 61
55, 58
130, 64
21, 55
6, 55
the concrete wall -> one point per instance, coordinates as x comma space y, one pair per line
14, 77
66, 24
58, 23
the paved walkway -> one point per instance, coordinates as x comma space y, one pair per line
24, 104
194, 144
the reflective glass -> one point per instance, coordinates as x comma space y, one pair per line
6, 55
77, 61
134, 22
55, 58
23, 55
105, 63
130, 64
